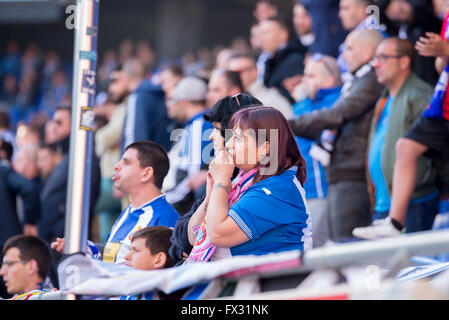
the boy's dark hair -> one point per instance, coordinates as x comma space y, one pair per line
151, 154
224, 109
31, 247
157, 239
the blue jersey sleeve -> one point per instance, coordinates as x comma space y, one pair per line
258, 212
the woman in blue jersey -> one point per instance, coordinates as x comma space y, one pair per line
264, 209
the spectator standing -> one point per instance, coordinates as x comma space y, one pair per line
189, 156
348, 199
411, 20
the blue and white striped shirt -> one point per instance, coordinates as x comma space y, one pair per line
157, 212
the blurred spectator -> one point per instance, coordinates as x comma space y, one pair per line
245, 65
26, 265
6, 151
52, 63
58, 93
53, 196
302, 23
350, 115
441, 7
328, 35
222, 83
146, 115
170, 76
13, 185
354, 16
108, 65
255, 40
286, 54
189, 156
412, 19
9, 91
146, 55
107, 148
125, 50
10, 62
26, 164
319, 89
6, 133
223, 57
405, 98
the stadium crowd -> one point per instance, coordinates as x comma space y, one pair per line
357, 98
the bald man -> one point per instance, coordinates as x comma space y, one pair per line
349, 120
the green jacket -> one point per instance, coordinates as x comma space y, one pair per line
406, 107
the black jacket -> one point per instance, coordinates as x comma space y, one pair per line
351, 116
285, 63
54, 196
12, 185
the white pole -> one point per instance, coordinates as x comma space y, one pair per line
81, 140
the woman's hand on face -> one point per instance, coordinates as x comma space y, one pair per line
222, 167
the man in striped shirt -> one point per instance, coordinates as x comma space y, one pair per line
192, 152
139, 174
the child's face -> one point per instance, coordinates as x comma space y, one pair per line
140, 257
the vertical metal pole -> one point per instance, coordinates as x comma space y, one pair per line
81, 140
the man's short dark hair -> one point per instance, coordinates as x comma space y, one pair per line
280, 20
245, 55
57, 147
233, 79
174, 69
67, 107
403, 48
151, 154
157, 239
31, 247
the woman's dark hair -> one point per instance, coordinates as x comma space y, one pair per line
225, 108
268, 118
